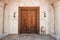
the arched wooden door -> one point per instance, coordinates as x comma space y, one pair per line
28, 20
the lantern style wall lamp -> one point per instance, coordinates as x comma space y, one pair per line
14, 15
44, 14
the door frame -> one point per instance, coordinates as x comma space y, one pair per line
19, 17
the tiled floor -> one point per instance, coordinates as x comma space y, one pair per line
27, 37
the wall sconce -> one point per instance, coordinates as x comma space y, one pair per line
44, 14
14, 14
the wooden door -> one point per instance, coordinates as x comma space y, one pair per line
29, 20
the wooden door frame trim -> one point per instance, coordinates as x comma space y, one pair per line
19, 18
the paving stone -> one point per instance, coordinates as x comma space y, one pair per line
27, 37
